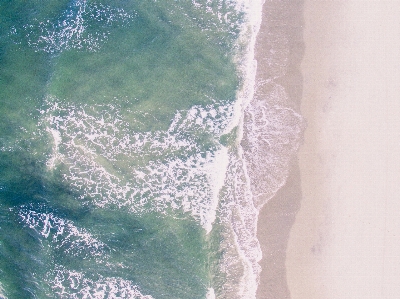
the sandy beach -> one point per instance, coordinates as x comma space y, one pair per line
333, 231
279, 52
345, 242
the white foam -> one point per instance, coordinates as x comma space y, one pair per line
241, 214
70, 31
210, 294
56, 142
180, 174
271, 135
71, 284
63, 233
2, 292
217, 170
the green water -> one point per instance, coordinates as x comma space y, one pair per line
132, 64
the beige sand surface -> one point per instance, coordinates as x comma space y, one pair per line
345, 242
279, 51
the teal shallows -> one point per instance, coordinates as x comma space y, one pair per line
164, 255
158, 66
149, 59
23, 77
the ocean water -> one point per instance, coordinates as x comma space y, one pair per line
134, 159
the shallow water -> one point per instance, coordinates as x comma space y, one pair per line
122, 172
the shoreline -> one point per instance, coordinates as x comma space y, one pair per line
311, 231
279, 50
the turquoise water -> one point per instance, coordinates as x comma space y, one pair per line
112, 117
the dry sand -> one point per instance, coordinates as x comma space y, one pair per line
345, 242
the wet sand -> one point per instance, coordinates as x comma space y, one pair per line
279, 52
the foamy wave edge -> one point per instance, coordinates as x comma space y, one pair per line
74, 284
2, 295
247, 69
261, 126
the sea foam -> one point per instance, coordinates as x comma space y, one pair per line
65, 236
72, 29
268, 136
100, 150
2, 295
74, 284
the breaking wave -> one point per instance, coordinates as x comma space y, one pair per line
64, 235
74, 285
112, 165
